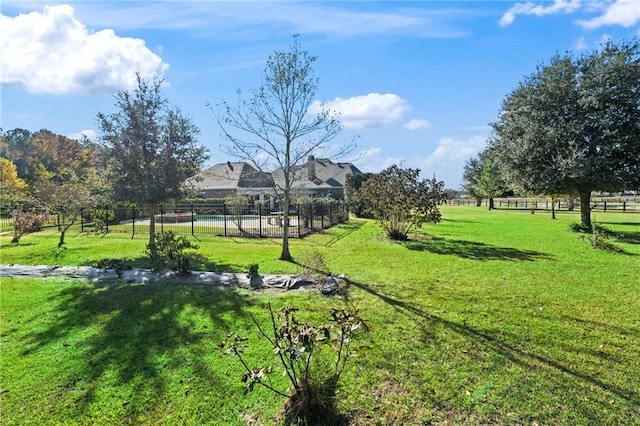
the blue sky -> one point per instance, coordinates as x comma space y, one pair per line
418, 82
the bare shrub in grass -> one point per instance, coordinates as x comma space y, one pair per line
313, 357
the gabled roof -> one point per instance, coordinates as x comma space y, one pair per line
232, 176
319, 173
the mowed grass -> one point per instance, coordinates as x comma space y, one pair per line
498, 317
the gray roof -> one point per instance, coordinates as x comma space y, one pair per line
231, 176
319, 173
315, 174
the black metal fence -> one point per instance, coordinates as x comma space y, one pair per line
218, 218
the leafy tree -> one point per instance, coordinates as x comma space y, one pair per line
471, 176
11, 186
60, 173
491, 184
483, 178
278, 127
61, 155
66, 200
352, 185
573, 126
449, 194
151, 148
45, 155
400, 201
17, 147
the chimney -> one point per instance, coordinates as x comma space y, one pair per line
311, 167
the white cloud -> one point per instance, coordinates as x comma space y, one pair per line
529, 8
53, 52
367, 111
581, 44
233, 19
448, 158
446, 161
416, 124
370, 160
89, 134
621, 12
452, 149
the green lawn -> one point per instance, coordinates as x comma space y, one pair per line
498, 317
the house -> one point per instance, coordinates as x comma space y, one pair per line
228, 179
317, 177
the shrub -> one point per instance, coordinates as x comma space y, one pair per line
400, 200
26, 223
170, 248
100, 218
580, 228
599, 239
597, 236
253, 270
117, 264
297, 345
313, 265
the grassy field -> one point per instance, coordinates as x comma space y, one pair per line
498, 317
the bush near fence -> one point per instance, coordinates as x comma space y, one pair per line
215, 218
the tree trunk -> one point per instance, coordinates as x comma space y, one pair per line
491, 204
152, 229
478, 202
553, 208
585, 208
285, 255
61, 241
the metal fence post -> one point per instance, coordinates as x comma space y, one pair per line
192, 220
106, 217
161, 219
298, 208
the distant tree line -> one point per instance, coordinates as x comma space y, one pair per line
145, 154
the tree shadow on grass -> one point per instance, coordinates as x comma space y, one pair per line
203, 263
563, 374
6, 246
138, 337
473, 250
628, 237
343, 230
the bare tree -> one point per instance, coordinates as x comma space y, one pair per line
281, 125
